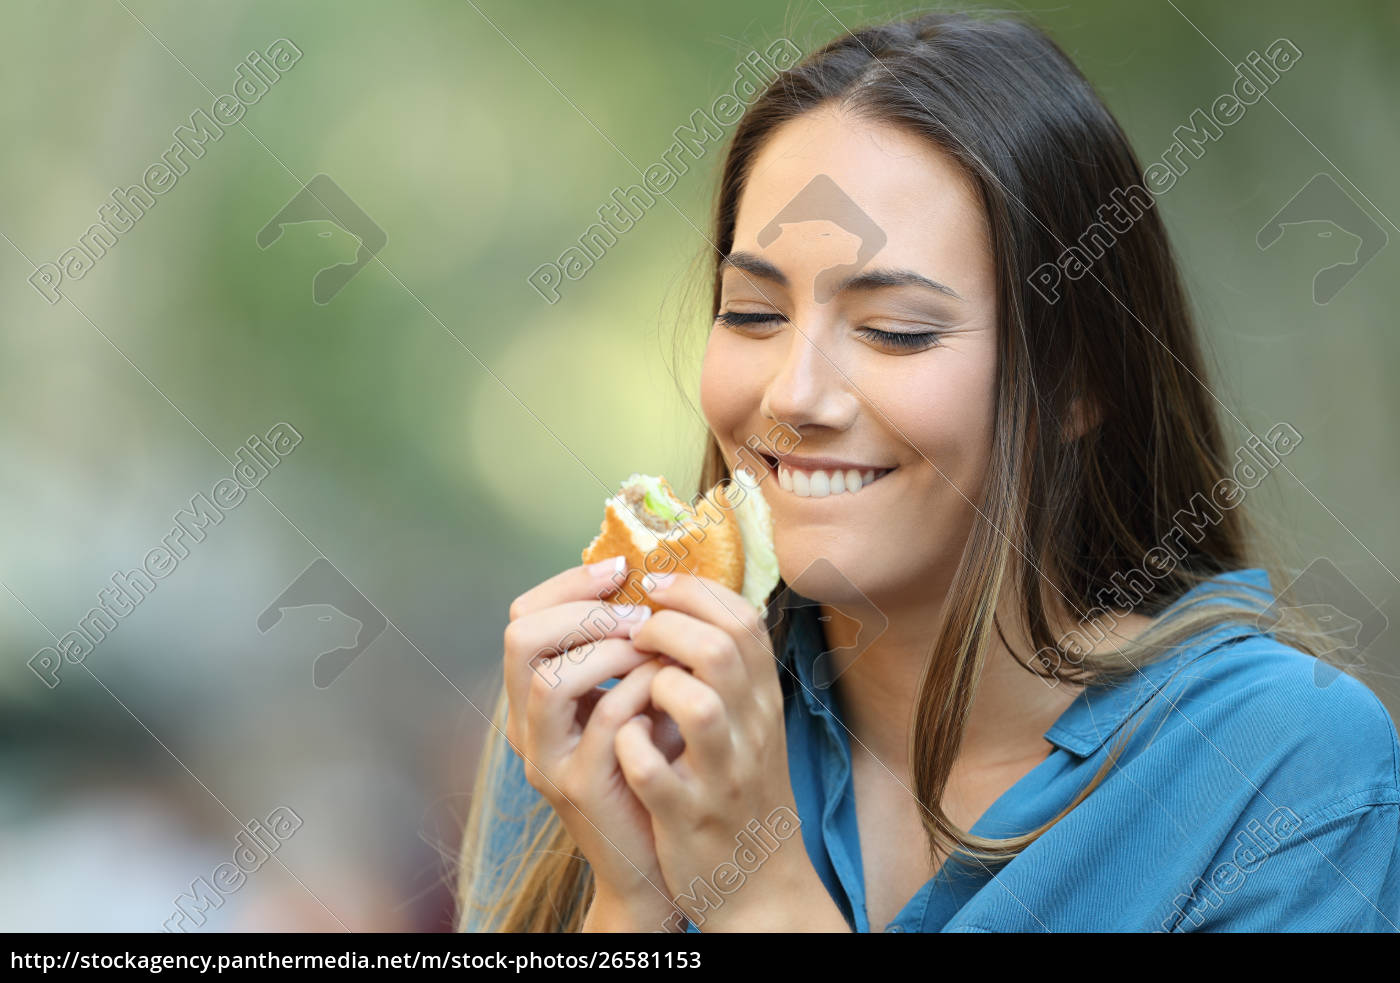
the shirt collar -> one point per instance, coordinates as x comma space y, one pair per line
1099, 712
1096, 714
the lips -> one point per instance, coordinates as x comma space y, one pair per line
823, 477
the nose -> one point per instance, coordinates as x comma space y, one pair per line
810, 388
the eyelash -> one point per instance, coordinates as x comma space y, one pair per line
910, 341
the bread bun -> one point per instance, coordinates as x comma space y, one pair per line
725, 537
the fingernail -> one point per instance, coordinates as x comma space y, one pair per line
611, 566
642, 614
657, 581
630, 612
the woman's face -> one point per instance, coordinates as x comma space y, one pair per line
893, 373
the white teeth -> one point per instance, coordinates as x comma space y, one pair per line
822, 484
801, 484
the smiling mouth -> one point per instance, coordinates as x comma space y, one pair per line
807, 482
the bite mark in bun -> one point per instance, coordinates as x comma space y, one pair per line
727, 537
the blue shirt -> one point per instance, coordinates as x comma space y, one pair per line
1250, 797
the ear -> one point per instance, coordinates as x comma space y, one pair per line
1084, 415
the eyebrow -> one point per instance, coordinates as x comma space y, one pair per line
867, 280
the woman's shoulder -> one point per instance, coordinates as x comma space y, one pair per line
1279, 722
1296, 764
1275, 711
1259, 787
1292, 699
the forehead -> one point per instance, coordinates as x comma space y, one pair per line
860, 178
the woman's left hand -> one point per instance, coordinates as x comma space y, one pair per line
723, 811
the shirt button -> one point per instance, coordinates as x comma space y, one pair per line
893, 927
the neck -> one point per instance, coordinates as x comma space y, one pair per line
878, 684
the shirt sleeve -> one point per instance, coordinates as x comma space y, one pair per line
1339, 871
514, 813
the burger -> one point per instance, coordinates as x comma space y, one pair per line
726, 536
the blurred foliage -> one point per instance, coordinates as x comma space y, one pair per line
460, 433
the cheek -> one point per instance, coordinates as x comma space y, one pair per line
730, 389
951, 424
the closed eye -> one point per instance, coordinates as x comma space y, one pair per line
734, 319
906, 341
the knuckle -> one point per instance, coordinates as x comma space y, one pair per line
668, 677
770, 709
610, 713
756, 713
644, 775
510, 638
542, 684
712, 648
661, 620
548, 667
518, 607
706, 711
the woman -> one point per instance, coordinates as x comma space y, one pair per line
1070, 714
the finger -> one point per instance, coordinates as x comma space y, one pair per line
579, 583
551, 707
665, 735
534, 641
712, 602
614, 708
699, 712
646, 770
705, 649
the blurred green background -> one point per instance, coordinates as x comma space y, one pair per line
456, 442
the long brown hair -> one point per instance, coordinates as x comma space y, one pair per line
1065, 520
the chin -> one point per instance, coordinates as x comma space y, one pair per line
836, 576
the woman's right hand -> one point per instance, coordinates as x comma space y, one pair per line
563, 727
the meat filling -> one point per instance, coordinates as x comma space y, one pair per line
634, 498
